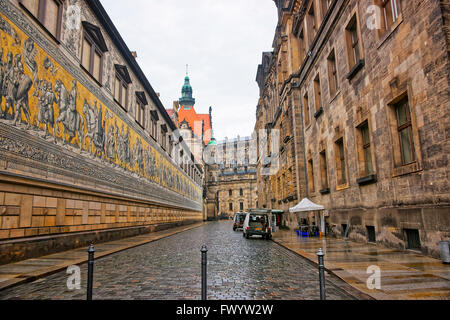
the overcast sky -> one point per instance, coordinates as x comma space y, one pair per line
221, 40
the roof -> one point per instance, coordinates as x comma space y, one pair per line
191, 116
170, 112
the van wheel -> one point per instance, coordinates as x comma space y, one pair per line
247, 236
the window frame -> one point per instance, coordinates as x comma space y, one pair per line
317, 96
333, 76
365, 148
405, 126
324, 179
40, 18
122, 84
353, 28
306, 110
311, 180
341, 163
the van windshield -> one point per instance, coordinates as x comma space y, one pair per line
258, 221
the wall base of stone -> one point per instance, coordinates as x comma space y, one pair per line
391, 225
26, 248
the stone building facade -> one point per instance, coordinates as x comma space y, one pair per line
231, 178
85, 143
367, 84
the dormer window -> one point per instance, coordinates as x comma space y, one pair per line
48, 13
121, 82
164, 136
92, 50
141, 102
154, 121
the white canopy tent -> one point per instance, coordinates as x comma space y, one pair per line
307, 205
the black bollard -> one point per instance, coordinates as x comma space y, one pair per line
90, 272
204, 276
320, 255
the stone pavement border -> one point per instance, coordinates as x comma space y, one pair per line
30, 270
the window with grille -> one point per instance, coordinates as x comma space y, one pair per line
366, 148
405, 132
353, 42
341, 162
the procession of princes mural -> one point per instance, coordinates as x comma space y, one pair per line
34, 97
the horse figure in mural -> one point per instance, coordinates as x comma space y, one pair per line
95, 127
73, 122
15, 87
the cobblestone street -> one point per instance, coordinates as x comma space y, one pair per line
238, 269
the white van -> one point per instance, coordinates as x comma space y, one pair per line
258, 223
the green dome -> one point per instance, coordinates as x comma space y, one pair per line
186, 94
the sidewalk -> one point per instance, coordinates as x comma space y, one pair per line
404, 275
29, 270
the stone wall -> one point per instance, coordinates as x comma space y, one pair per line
408, 61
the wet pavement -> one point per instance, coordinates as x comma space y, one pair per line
170, 268
405, 275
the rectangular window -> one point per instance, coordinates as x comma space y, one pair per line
97, 65
86, 55
231, 206
324, 170
353, 42
140, 113
317, 94
154, 128
170, 145
371, 235
302, 46
366, 148
311, 186
241, 206
306, 109
32, 6
332, 74
121, 91
390, 12
163, 138
47, 12
340, 162
413, 239
404, 128
312, 24
51, 16
91, 58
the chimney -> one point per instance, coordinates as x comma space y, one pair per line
134, 54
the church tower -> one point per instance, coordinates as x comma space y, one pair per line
186, 101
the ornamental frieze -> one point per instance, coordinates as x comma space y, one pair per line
47, 99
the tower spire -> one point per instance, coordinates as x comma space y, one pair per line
186, 100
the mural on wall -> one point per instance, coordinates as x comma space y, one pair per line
38, 95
